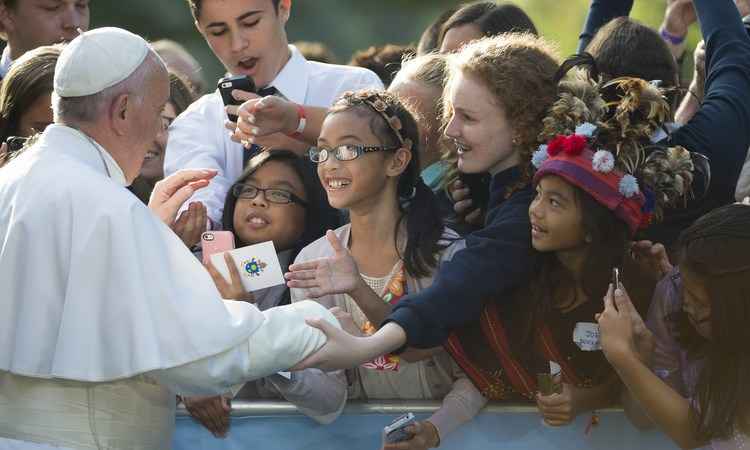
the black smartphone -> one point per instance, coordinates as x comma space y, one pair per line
229, 84
479, 188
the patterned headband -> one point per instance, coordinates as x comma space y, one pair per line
381, 108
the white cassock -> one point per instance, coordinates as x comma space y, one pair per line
105, 315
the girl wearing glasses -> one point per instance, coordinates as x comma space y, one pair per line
277, 198
368, 162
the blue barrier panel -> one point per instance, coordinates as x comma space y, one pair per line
272, 426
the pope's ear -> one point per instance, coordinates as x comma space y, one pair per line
120, 111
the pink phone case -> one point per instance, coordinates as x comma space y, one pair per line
213, 242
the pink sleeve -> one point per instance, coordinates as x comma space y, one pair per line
460, 405
666, 304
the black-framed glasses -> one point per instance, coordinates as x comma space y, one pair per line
345, 152
272, 195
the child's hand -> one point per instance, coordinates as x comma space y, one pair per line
424, 435
232, 290
338, 274
191, 224
557, 409
622, 330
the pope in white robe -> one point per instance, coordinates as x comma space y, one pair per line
104, 313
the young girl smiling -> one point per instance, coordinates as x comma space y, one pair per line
368, 161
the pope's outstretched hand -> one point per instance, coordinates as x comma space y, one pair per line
173, 191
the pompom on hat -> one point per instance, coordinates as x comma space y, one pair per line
605, 187
604, 148
97, 60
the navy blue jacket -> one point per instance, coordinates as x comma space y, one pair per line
497, 259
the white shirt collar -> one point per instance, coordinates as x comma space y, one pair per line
5, 62
291, 82
112, 168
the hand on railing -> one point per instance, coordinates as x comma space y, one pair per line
558, 409
211, 412
423, 434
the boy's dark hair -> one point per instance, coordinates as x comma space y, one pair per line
385, 61
626, 48
430, 40
491, 18
319, 216
196, 7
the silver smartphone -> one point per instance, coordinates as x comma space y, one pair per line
396, 431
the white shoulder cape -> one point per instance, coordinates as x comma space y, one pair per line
93, 286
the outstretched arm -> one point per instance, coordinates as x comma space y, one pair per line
601, 12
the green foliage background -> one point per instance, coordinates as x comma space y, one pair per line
347, 26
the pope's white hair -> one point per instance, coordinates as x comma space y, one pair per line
89, 108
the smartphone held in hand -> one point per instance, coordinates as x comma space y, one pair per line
213, 242
396, 431
229, 84
615, 278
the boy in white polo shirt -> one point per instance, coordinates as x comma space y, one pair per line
249, 37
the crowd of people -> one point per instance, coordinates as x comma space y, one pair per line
472, 218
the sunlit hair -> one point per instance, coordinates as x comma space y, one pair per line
511, 66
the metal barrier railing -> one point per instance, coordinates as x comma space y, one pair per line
264, 408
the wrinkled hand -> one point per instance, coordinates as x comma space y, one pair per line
652, 258
558, 409
463, 205
346, 321
211, 412
170, 193
341, 350
334, 275
678, 17
424, 435
191, 224
232, 290
622, 330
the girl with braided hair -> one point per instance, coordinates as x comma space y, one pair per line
368, 162
689, 368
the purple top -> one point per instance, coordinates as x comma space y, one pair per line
671, 362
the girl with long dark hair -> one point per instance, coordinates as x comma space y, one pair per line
689, 369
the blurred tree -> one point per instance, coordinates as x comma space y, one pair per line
347, 26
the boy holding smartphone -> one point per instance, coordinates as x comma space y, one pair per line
249, 37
